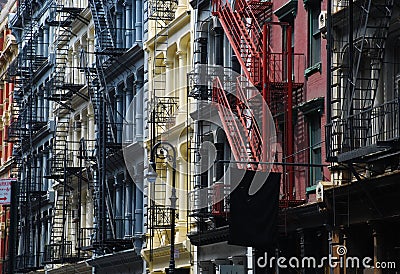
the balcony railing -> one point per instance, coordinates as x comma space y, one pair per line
87, 237
212, 201
59, 252
27, 262
373, 127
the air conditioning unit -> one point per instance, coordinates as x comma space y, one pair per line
321, 187
323, 16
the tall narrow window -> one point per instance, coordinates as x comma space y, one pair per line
314, 34
315, 148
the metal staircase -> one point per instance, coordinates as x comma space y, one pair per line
370, 41
243, 27
103, 25
249, 29
229, 109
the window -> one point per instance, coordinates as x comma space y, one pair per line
314, 34
314, 132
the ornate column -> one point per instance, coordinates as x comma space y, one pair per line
169, 77
89, 209
138, 233
40, 42
128, 24
182, 198
39, 171
120, 112
40, 106
129, 112
90, 54
76, 138
75, 62
118, 207
139, 110
118, 15
182, 63
128, 206
91, 130
46, 41
83, 127
44, 170
83, 209
182, 185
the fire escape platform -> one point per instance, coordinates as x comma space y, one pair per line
371, 153
114, 244
283, 86
115, 259
216, 235
112, 51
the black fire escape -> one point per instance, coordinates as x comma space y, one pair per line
26, 122
63, 168
104, 238
363, 127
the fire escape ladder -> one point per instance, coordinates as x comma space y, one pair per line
102, 21
61, 89
105, 51
59, 248
237, 137
247, 118
369, 43
243, 29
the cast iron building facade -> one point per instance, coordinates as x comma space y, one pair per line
80, 65
97, 84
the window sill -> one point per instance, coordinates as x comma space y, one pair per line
313, 69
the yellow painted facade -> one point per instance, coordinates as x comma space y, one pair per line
169, 51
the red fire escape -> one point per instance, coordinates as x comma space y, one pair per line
269, 67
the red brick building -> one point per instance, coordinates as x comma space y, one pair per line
8, 52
